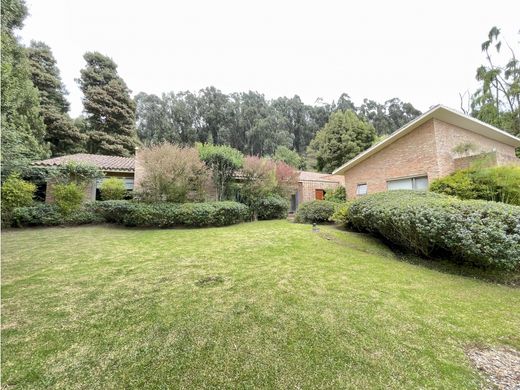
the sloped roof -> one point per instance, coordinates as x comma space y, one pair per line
104, 163
316, 176
444, 114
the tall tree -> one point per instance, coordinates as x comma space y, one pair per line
343, 137
497, 101
61, 133
387, 117
23, 130
110, 111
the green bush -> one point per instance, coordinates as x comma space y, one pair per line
338, 195
112, 188
315, 211
341, 214
499, 184
16, 193
50, 215
273, 207
68, 197
164, 215
478, 232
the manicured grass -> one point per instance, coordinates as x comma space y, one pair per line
267, 304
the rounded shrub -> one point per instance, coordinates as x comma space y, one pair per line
479, 232
17, 192
318, 211
273, 207
50, 215
68, 197
341, 215
112, 188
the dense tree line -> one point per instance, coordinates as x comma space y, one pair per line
251, 123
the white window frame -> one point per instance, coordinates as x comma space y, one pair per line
413, 180
361, 185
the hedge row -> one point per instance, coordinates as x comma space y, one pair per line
135, 214
273, 207
318, 211
479, 232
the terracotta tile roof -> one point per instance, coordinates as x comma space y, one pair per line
316, 176
105, 163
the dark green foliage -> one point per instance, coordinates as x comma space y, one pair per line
163, 215
23, 129
499, 184
318, 211
343, 137
338, 195
289, 157
477, 232
110, 110
273, 207
248, 122
50, 215
61, 133
223, 161
128, 213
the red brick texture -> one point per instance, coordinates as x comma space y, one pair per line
426, 151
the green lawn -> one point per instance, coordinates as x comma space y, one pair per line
266, 304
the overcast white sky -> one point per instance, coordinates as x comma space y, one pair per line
422, 52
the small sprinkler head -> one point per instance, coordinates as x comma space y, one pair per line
315, 227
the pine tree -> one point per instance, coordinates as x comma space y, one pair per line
110, 111
63, 136
23, 130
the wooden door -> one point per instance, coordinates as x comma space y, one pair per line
320, 194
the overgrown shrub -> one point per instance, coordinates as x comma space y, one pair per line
112, 188
172, 174
16, 192
338, 195
68, 197
315, 211
50, 215
499, 184
273, 207
341, 215
478, 232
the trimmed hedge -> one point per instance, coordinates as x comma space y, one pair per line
50, 215
478, 232
315, 211
273, 207
171, 214
128, 213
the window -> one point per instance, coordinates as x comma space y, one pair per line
412, 183
362, 189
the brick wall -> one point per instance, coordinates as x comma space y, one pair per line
427, 150
414, 154
449, 136
307, 189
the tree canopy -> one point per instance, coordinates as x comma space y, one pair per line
110, 112
23, 129
497, 100
61, 133
342, 138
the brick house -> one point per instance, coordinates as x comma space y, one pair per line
314, 186
426, 149
122, 167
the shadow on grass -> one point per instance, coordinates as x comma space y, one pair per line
453, 267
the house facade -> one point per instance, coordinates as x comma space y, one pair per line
314, 186
427, 148
121, 167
